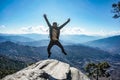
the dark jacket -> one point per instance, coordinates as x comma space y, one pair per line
58, 28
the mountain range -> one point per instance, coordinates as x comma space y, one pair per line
14, 38
38, 37
110, 44
30, 50
9, 66
77, 54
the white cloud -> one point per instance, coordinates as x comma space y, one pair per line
37, 29
72, 30
64, 31
45, 30
111, 33
27, 30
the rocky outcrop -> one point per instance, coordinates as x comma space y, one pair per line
49, 69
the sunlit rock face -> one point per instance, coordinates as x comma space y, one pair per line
49, 69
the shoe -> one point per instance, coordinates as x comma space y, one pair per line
49, 55
65, 53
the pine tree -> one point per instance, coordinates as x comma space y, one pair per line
97, 70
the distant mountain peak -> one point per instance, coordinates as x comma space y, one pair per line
109, 44
49, 69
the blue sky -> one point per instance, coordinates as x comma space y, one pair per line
91, 17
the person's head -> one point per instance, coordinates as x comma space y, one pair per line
54, 24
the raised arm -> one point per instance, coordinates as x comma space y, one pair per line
64, 23
48, 23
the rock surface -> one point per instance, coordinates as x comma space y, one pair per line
49, 69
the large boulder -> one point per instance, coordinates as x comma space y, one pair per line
49, 69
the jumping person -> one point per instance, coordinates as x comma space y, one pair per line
54, 32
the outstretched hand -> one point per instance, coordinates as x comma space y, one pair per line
68, 19
44, 15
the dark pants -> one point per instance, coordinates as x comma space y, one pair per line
55, 43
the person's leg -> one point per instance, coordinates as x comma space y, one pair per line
49, 48
59, 44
